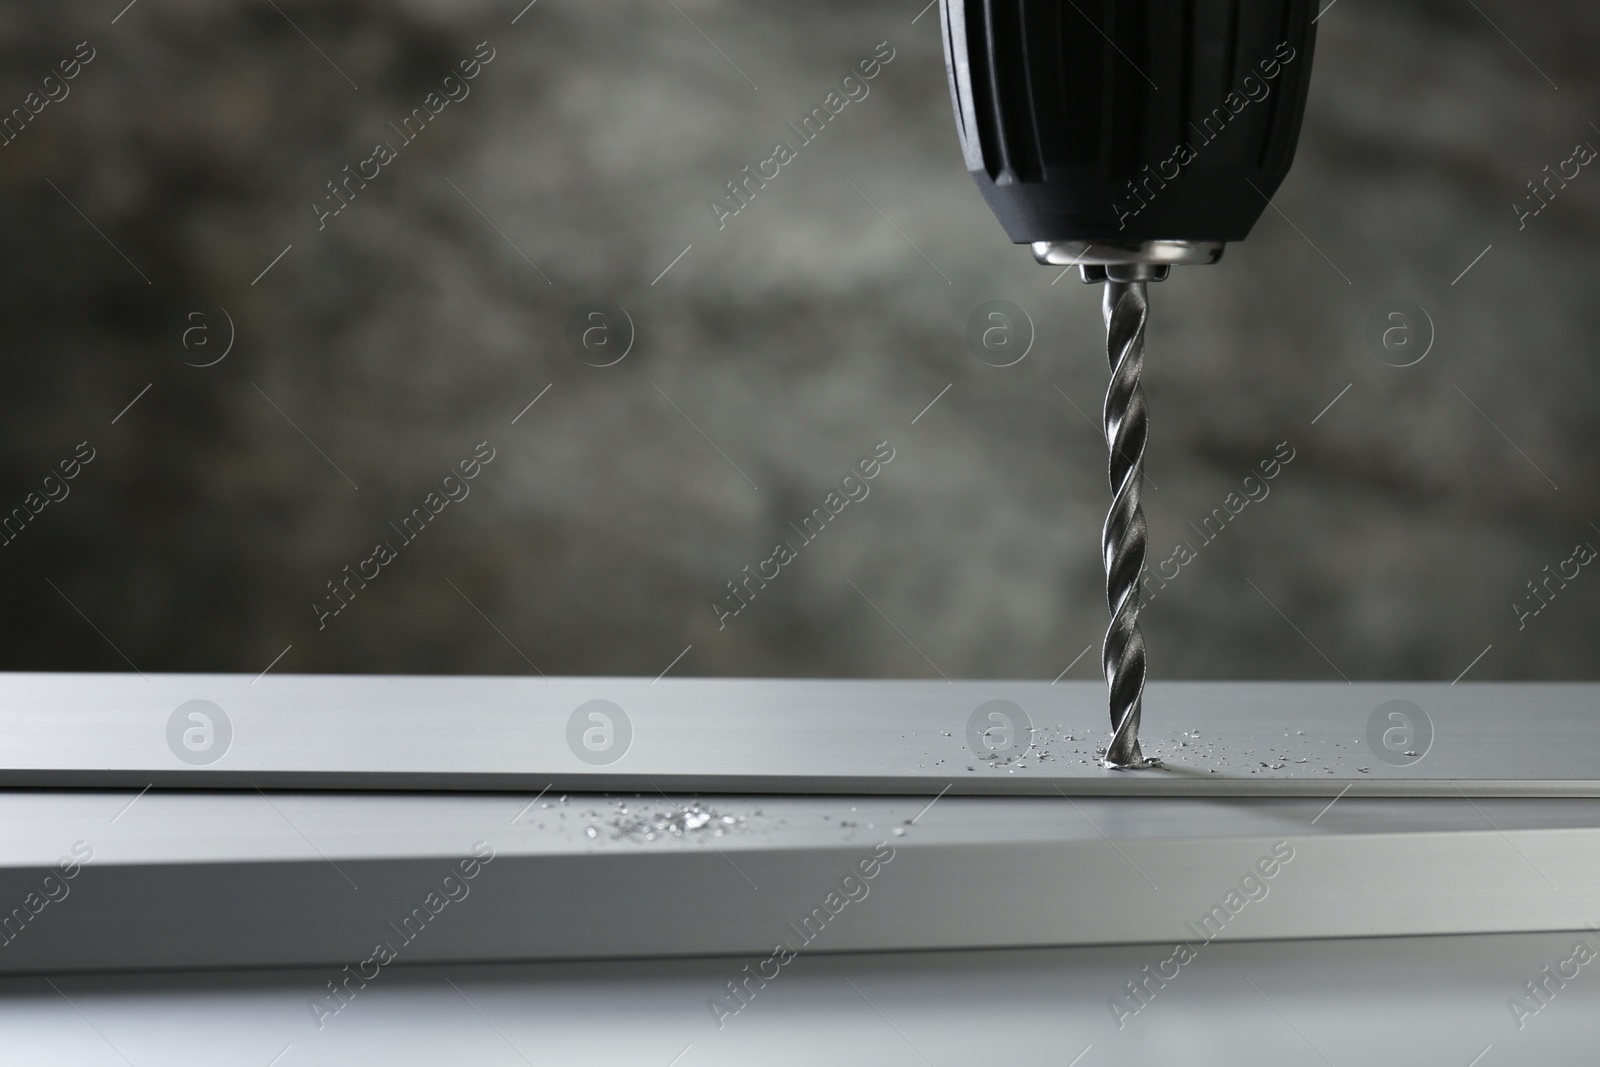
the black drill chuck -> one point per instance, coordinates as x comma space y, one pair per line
1128, 121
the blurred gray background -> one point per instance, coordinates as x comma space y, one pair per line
823, 319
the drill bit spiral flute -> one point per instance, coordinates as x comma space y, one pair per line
1124, 137
1122, 541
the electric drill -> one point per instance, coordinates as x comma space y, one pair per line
1124, 137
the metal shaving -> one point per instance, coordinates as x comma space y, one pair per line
658, 821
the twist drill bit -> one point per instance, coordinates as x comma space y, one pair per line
1122, 541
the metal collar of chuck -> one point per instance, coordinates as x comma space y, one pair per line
1144, 261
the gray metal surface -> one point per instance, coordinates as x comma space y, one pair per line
744, 736
1407, 1002
193, 879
